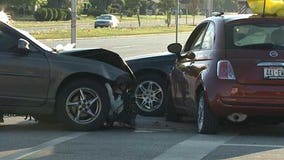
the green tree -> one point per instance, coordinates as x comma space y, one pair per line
225, 5
134, 7
146, 4
193, 8
23, 2
167, 6
59, 3
100, 4
116, 6
21, 6
99, 7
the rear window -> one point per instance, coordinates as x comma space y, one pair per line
105, 17
264, 35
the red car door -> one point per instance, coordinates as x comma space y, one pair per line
185, 77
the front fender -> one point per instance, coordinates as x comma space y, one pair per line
62, 69
160, 62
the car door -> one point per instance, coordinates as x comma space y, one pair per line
24, 77
185, 77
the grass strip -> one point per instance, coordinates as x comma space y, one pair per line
103, 32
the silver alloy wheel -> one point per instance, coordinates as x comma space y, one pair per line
149, 96
83, 105
200, 116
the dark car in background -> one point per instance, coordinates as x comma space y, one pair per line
231, 67
152, 89
83, 88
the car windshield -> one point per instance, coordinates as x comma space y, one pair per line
255, 36
105, 17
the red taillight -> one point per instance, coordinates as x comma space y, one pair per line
225, 70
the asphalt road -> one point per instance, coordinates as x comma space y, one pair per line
127, 46
153, 139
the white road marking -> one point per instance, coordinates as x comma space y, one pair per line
150, 130
271, 154
253, 145
29, 151
143, 131
194, 148
122, 47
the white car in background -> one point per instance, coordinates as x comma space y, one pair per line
106, 20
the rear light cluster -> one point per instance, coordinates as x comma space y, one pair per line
225, 70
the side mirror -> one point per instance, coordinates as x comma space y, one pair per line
175, 48
23, 45
190, 55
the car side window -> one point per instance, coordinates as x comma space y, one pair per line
201, 38
209, 37
196, 38
198, 43
8, 42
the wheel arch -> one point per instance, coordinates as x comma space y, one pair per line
201, 86
142, 72
81, 75
199, 89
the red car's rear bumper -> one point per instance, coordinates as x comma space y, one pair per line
229, 97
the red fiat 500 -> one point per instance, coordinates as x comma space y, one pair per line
231, 67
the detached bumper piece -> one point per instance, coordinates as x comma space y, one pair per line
122, 102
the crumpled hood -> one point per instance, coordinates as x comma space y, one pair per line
99, 54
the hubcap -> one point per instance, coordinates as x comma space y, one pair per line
83, 105
149, 96
200, 118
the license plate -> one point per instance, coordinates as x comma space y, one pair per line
274, 73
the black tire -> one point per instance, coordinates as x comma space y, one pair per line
83, 105
150, 95
207, 123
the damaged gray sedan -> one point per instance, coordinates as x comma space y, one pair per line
82, 88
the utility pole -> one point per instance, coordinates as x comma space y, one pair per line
177, 20
73, 21
209, 8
